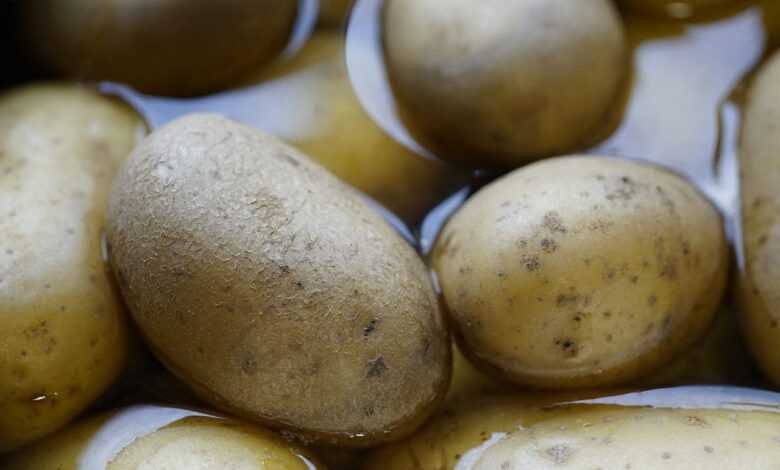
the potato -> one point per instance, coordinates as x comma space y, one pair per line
760, 177
675, 8
272, 289
581, 271
334, 12
148, 437
596, 433
176, 47
505, 82
314, 89
62, 322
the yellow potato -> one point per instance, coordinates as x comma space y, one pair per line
760, 173
695, 425
505, 82
172, 47
148, 437
334, 12
330, 125
582, 271
62, 323
272, 289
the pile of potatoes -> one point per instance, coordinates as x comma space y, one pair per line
207, 295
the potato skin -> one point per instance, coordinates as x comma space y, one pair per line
581, 271
62, 322
759, 284
502, 83
272, 289
176, 47
332, 127
156, 438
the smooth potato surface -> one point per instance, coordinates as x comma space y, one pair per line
175, 47
582, 271
502, 83
330, 125
148, 437
61, 320
760, 179
272, 289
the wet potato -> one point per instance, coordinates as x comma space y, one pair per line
62, 322
503, 83
162, 438
272, 289
581, 271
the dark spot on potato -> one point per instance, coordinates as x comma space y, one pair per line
370, 327
695, 421
531, 263
648, 329
708, 449
549, 245
762, 240
501, 275
291, 160
506, 465
608, 338
559, 454
249, 365
634, 279
567, 346
773, 323
376, 367
567, 299
505, 204
553, 222
607, 314
666, 456
368, 411
600, 177
299, 284
669, 270
652, 300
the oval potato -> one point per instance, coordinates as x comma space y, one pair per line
272, 289
502, 83
175, 47
145, 437
582, 271
760, 177
62, 322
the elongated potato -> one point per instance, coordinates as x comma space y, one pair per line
175, 47
582, 271
630, 431
328, 123
760, 173
272, 289
61, 321
145, 437
504, 82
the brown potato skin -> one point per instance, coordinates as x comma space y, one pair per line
581, 271
62, 323
759, 283
272, 289
175, 47
504, 83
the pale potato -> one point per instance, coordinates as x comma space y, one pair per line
760, 179
582, 271
173, 47
505, 82
272, 289
63, 328
329, 124
146, 437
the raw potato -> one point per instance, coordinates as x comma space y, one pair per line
505, 82
175, 47
272, 289
334, 12
61, 320
315, 91
582, 271
760, 173
162, 438
696, 419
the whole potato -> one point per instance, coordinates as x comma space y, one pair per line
334, 12
760, 179
272, 289
505, 82
175, 47
148, 437
591, 434
62, 322
582, 271
315, 90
